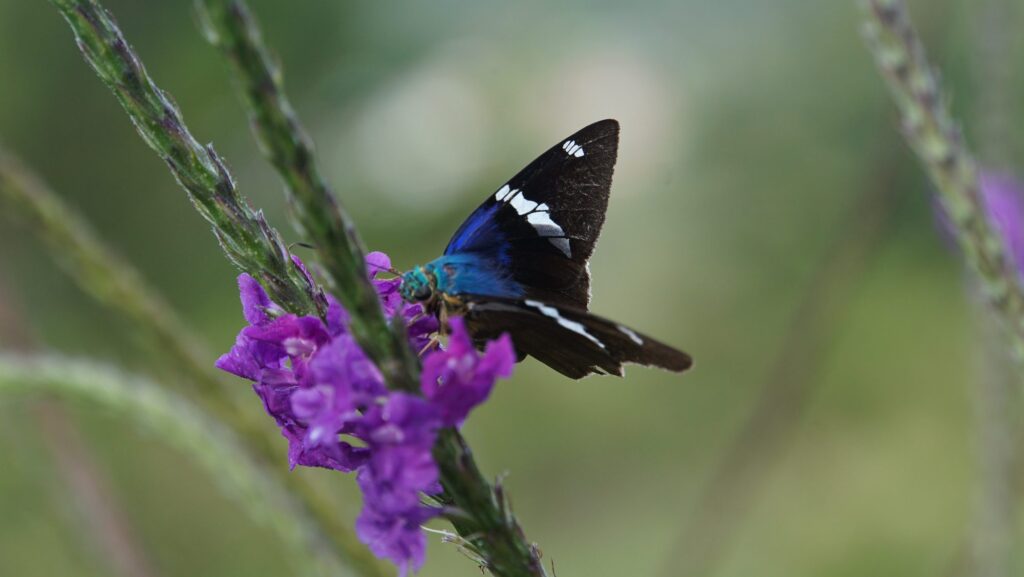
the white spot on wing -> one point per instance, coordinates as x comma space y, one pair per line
503, 193
572, 149
562, 244
590, 294
538, 216
552, 313
632, 335
522, 204
543, 224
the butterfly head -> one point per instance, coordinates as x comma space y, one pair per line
419, 285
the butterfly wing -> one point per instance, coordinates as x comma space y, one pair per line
569, 340
540, 228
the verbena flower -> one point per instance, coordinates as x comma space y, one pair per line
1004, 202
331, 403
1002, 197
458, 378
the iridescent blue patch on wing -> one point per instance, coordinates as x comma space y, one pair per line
469, 273
480, 232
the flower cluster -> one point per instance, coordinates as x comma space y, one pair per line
331, 403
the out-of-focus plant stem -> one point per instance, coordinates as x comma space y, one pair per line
935, 137
116, 284
710, 529
110, 279
102, 520
938, 141
82, 482
182, 425
995, 390
483, 518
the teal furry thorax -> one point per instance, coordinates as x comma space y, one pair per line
418, 285
458, 274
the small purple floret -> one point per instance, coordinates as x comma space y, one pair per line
1003, 197
331, 403
459, 378
1004, 202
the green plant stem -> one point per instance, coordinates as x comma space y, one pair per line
738, 480
995, 392
937, 140
229, 25
116, 284
111, 534
244, 234
481, 515
185, 427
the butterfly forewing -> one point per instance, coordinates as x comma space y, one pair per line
541, 226
569, 340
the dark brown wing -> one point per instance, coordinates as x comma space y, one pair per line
571, 341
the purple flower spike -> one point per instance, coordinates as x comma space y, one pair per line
1004, 202
458, 379
331, 403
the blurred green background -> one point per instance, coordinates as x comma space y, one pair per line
766, 217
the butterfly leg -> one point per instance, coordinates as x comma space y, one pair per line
434, 343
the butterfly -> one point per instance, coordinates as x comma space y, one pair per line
519, 265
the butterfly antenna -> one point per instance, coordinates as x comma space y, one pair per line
302, 244
386, 269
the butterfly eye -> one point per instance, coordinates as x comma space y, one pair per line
422, 292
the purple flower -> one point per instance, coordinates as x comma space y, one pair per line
1004, 202
420, 325
458, 379
325, 394
1003, 198
256, 305
398, 539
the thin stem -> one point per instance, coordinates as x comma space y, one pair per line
103, 522
735, 484
995, 392
184, 426
116, 284
231, 27
482, 516
935, 137
244, 234
111, 534
989, 550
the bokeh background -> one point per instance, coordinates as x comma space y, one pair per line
766, 217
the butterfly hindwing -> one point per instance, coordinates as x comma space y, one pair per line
569, 340
540, 228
